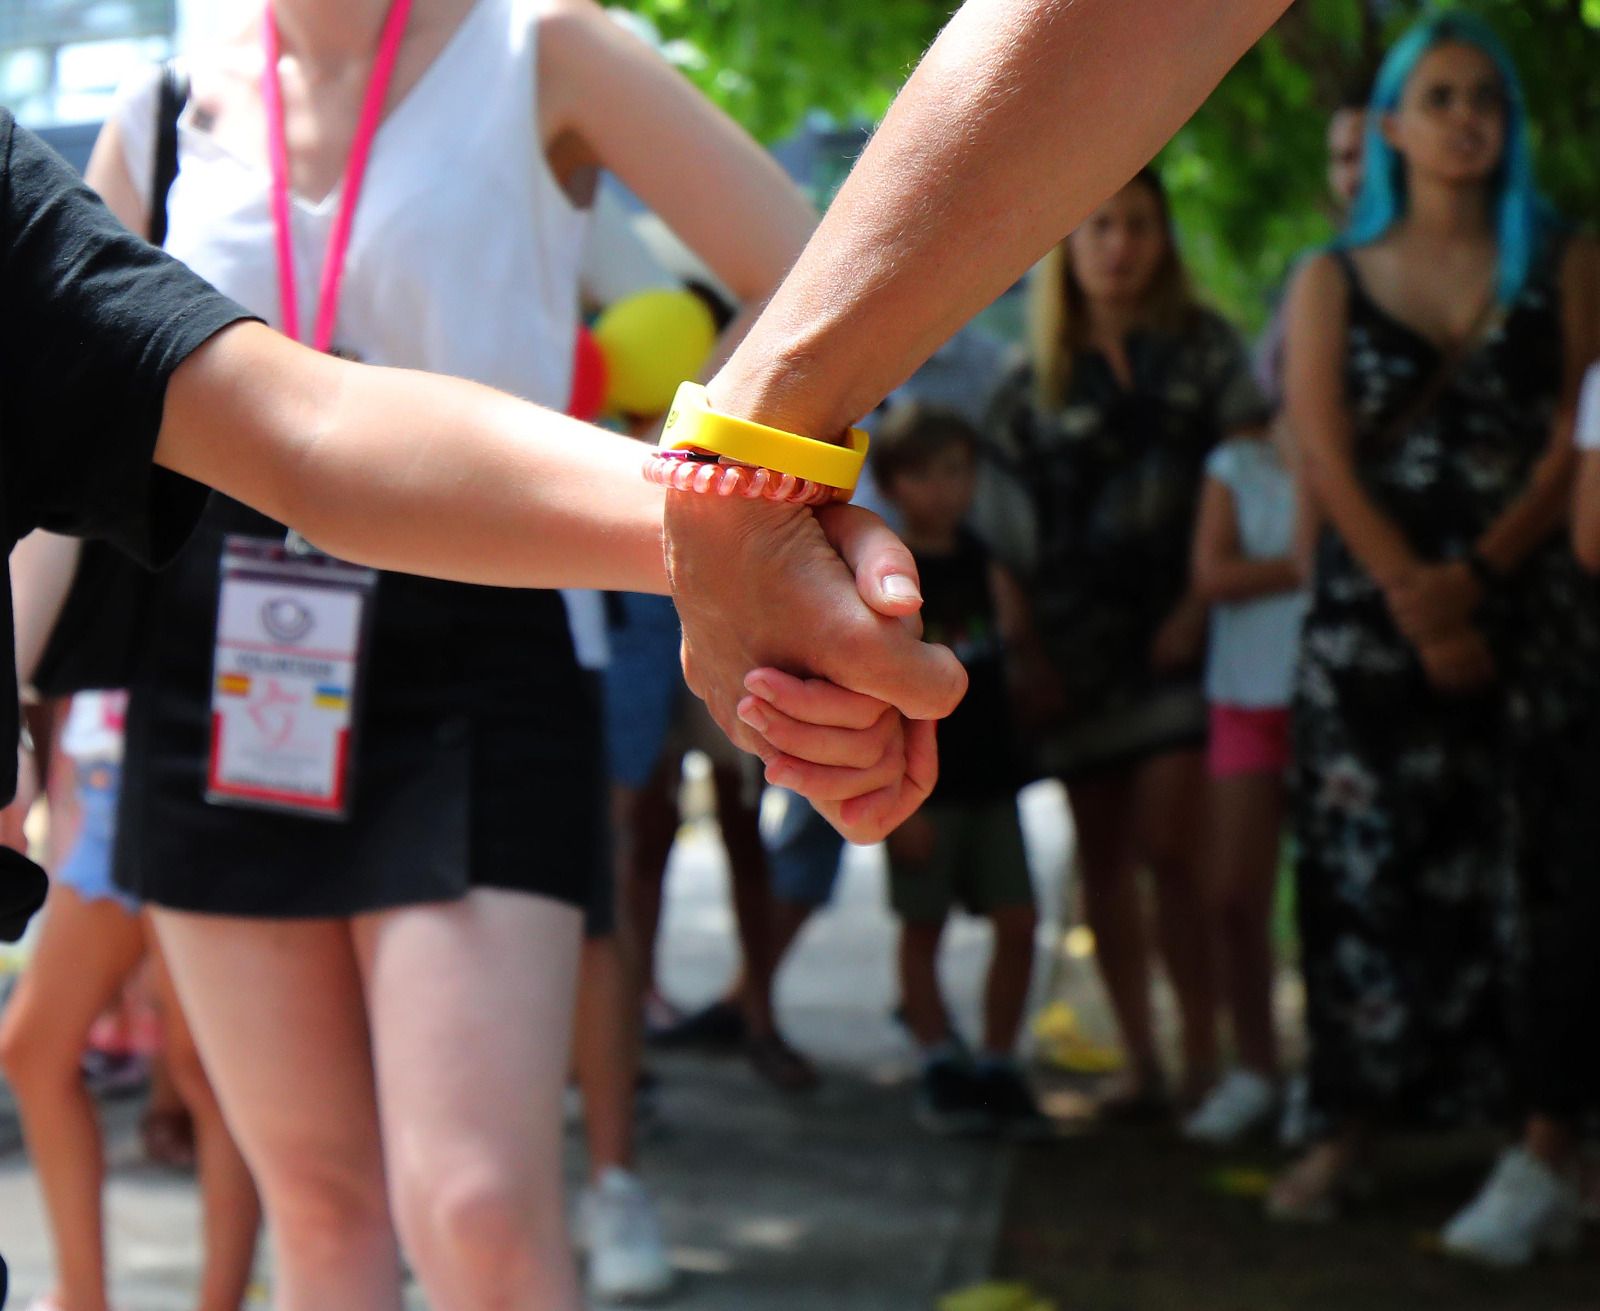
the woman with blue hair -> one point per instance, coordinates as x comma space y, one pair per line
1450, 653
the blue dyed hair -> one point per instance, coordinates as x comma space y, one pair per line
1521, 219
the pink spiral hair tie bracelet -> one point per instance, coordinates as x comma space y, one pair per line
682, 471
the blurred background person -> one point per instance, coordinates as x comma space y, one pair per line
1246, 568
1106, 427
1448, 637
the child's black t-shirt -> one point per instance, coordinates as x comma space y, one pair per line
977, 744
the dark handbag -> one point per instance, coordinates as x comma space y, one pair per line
98, 635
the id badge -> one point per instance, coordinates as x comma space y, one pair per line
286, 678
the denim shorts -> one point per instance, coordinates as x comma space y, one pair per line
804, 855
87, 869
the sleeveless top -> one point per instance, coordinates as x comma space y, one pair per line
460, 154
1452, 470
478, 740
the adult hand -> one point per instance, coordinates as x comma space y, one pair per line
759, 586
1434, 600
1458, 663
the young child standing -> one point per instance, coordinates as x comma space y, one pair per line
1245, 566
964, 847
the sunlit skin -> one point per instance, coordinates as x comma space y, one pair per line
1346, 132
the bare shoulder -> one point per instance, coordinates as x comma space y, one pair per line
1580, 265
1318, 286
578, 43
570, 27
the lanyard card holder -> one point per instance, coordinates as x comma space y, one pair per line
286, 678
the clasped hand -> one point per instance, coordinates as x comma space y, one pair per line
1433, 606
800, 633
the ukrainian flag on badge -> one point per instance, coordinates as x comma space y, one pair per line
328, 697
233, 684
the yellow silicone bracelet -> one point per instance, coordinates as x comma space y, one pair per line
693, 425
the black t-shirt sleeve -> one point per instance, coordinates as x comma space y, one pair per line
93, 321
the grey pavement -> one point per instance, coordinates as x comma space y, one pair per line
770, 1203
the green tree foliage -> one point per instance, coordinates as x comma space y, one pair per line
1247, 173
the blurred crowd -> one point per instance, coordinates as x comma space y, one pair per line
1304, 618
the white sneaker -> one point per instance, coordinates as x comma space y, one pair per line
627, 1257
1525, 1209
1239, 1105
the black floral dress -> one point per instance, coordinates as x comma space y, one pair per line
1112, 483
1417, 815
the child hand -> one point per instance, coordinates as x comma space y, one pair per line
860, 762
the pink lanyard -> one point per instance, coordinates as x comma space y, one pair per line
355, 171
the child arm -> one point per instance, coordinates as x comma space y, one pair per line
1220, 570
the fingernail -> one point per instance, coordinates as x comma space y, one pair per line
759, 685
751, 713
901, 587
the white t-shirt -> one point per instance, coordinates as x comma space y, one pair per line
93, 731
1254, 643
1588, 429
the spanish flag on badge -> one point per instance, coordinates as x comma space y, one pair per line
233, 684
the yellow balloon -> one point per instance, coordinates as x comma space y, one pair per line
652, 341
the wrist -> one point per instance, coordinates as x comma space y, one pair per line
779, 390
690, 517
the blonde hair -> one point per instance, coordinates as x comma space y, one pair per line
1058, 309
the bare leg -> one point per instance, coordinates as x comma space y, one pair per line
752, 899
279, 1016
926, 1016
86, 952
1313, 1186
1247, 836
1010, 974
1553, 1141
1170, 821
646, 822
471, 1004
231, 1212
1114, 908
606, 1052
789, 919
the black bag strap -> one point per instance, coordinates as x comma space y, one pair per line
1486, 320
173, 96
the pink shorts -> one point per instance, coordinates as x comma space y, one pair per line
1247, 741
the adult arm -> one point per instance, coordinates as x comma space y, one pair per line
1016, 124
1453, 653
1542, 506
1435, 595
